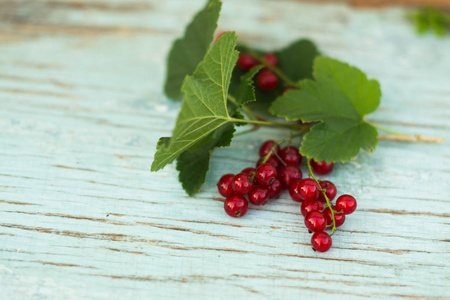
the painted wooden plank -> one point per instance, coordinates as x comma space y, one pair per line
81, 109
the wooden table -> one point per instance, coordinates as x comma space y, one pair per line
81, 109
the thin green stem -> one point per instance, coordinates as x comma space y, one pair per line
266, 123
248, 111
325, 196
386, 129
254, 128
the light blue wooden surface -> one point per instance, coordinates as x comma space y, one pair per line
81, 109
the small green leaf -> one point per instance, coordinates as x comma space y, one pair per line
296, 60
194, 165
338, 99
204, 108
189, 50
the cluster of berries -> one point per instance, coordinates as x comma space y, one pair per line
266, 80
278, 169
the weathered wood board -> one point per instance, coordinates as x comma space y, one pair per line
81, 109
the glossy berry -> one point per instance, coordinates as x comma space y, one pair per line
266, 174
321, 241
266, 147
288, 174
311, 205
346, 203
224, 185
267, 80
236, 206
272, 160
339, 218
275, 189
322, 167
271, 59
259, 195
305, 189
242, 184
330, 190
249, 171
246, 61
315, 221
290, 155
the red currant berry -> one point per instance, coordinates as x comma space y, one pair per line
266, 174
321, 241
267, 80
294, 190
272, 160
259, 195
249, 171
275, 189
288, 174
330, 190
290, 155
315, 221
236, 206
271, 59
322, 167
266, 147
224, 185
346, 203
339, 218
246, 61
305, 189
242, 184
310, 205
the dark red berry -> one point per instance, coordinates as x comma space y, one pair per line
236, 206
246, 61
322, 167
242, 184
267, 80
272, 160
310, 205
339, 218
315, 221
249, 171
266, 174
330, 189
288, 174
290, 155
271, 59
224, 185
294, 190
346, 203
259, 195
275, 189
266, 147
305, 189
321, 241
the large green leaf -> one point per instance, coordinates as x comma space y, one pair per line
204, 108
296, 60
189, 50
194, 165
338, 99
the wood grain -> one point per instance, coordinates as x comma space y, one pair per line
380, 3
81, 109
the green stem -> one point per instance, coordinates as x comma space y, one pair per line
324, 195
254, 128
248, 111
266, 123
386, 129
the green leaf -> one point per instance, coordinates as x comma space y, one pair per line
194, 165
204, 108
338, 99
188, 51
296, 60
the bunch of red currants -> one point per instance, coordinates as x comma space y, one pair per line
267, 80
278, 169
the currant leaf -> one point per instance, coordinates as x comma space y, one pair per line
338, 100
204, 108
296, 60
194, 165
189, 50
